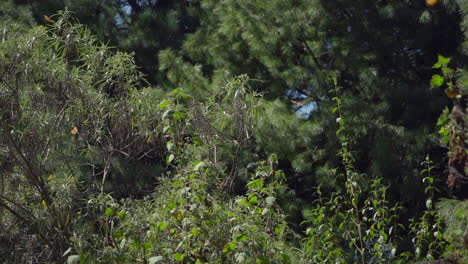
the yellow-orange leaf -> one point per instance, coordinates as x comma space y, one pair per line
297, 103
74, 131
48, 19
450, 93
431, 2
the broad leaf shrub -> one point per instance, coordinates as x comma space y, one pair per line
184, 222
453, 129
357, 223
81, 138
452, 134
191, 217
429, 229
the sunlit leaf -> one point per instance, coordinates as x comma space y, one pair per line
156, 259
178, 256
437, 80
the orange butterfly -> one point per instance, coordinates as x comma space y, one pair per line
297, 103
431, 2
48, 19
74, 131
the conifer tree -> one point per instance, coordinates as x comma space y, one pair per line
380, 52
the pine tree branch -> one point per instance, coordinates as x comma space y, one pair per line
309, 50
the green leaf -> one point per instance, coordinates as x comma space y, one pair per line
240, 238
164, 104
170, 206
270, 200
437, 80
153, 260
122, 243
199, 165
137, 243
169, 145
162, 226
109, 211
178, 256
73, 259
229, 247
196, 141
443, 60
442, 119
178, 115
242, 201
66, 252
195, 231
253, 200
444, 134
255, 184
169, 159
263, 260
122, 215
147, 247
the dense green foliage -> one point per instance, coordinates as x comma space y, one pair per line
233, 131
